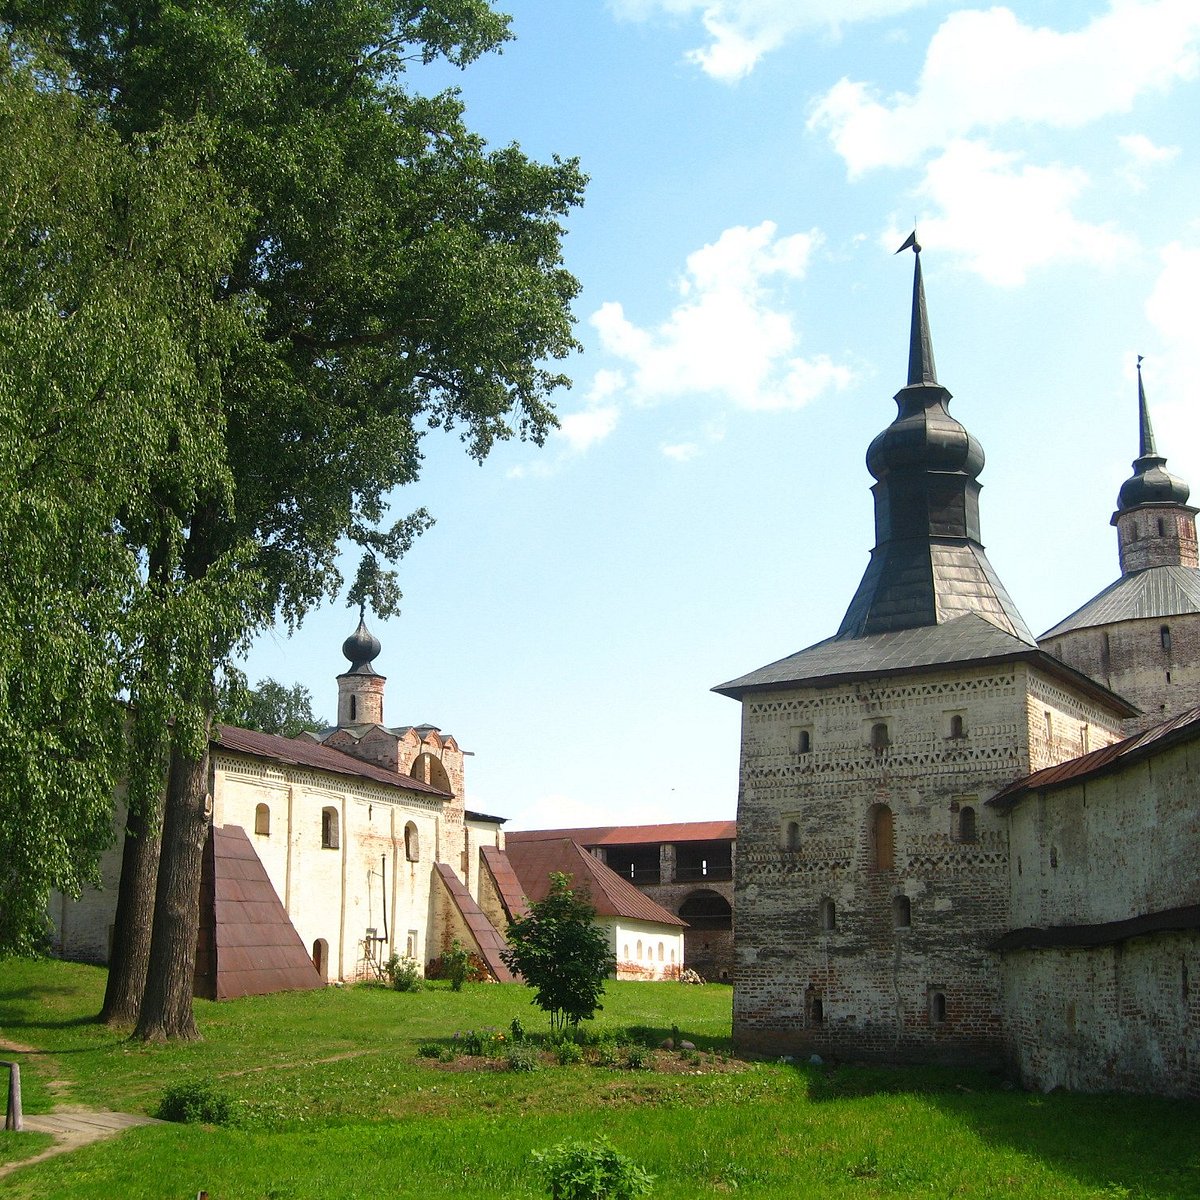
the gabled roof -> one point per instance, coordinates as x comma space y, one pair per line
1169, 591
611, 895
964, 641
632, 835
297, 752
1103, 761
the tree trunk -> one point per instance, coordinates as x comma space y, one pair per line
134, 918
167, 1003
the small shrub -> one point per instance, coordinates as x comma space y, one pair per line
430, 1050
521, 1056
568, 1053
403, 973
449, 966
517, 1030
482, 1043
637, 1058
590, 1171
605, 1052
198, 1103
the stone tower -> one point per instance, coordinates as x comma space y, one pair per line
871, 877
360, 689
1141, 635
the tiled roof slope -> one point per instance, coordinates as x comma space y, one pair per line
632, 835
298, 753
1106, 759
248, 945
611, 895
508, 886
1155, 592
487, 937
965, 640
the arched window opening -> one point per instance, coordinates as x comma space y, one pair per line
626, 954
428, 768
827, 915
329, 829
1162, 529
966, 824
639, 949
672, 953
353, 709
879, 737
956, 727
816, 1011
320, 957
805, 741
262, 820
901, 912
937, 1007
662, 952
1164, 637
412, 843
881, 838
792, 837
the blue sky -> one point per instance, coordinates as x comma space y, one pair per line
705, 507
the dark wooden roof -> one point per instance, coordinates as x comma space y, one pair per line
966, 641
1104, 761
296, 752
633, 835
1171, 920
248, 945
610, 895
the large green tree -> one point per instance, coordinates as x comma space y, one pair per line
109, 254
401, 275
272, 707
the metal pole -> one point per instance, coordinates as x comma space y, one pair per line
12, 1115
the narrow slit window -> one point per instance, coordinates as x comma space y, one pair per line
329, 829
879, 737
901, 912
827, 915
966, 824
1164, 637
804, 742
792, 836
262, 820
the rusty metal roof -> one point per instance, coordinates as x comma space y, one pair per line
1102, 761
295, 752
612, 896
1171, 920
507, 884
488, 939
633, 835
1169, 591
248, 945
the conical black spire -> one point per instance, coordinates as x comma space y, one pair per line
1146, 432
928, 565
921, 367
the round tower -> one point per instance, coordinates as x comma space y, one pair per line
360, 689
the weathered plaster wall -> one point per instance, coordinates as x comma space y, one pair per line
1113, 1018
1161, 675
645, 950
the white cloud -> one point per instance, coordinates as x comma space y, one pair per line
1143, 156
741, 32
729, 336
1173, 378
985, 69
681, 452
1007, 217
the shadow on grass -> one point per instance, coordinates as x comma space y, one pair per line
1122, 1145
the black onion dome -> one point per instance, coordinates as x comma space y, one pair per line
1151, 482
924, 436
361, 647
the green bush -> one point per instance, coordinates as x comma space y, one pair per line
637, 1058
430, 1050
403, 973
521, 1056
567, 1053
481, 1043
590, 1171
605, 1052
197, 1103
517, 1030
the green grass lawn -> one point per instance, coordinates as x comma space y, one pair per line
336, 1102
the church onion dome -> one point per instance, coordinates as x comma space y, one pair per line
361, 648
1151, 482
924, 436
